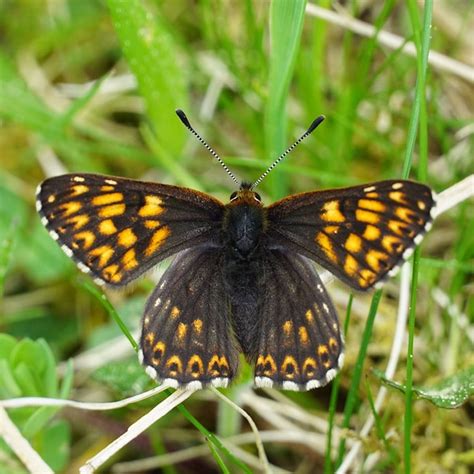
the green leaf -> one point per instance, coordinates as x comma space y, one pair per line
54, 445
8, 386
7, 344
286, 24
151, 53
450, 392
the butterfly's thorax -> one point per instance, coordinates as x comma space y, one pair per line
243, 232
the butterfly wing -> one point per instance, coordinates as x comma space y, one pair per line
300, 346
360, 234
186, 338
117, 228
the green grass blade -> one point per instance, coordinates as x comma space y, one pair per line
328, 466
356, 376
423, 46
286, 24
151, 53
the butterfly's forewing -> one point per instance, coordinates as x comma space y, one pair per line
117, 228
361, 234
186, 338
300, 346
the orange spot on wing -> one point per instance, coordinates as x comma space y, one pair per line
374, 258
182, 330
289, 367
372, 205
112, 273
195, 366
149, 224
71, 207
265, 366
174, 365
129, 260
404, 214
353, 243
367, 216
79, 189
175, 312
104, 254
152, 207
78, 221
326, 246
157, 240
371, 232
287, 328
392, 244
126, 238
351, 266
197, 325
87, 237
104, 199
331, 213
303, 335
367, 278
107, 227
309, 366
397, 196
112, 210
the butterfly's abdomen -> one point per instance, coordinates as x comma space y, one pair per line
244, 228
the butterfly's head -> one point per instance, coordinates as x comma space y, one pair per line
245, 194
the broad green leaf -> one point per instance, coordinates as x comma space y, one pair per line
450, 392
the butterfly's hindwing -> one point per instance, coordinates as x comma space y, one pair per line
360, 234
117, 228
299, 346
186, 338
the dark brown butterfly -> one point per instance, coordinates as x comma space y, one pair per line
243, 279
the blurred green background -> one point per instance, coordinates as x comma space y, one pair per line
92, 86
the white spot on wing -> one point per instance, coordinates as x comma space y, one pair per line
326, 308
171, 383
83, 267
38, 205
220, 382
340, 360
330, 374
111, 181
313, 384
54, 235
369, 189
397, 185
140, 356
151, 372
157, 302
194, 385
78, 179
288, 385
66, 250
263, 382
99, 281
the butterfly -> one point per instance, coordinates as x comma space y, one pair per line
243, 279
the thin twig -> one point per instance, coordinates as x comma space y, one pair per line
392, 41
20, 445
258, 439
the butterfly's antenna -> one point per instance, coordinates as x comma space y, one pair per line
310, 130
184, 119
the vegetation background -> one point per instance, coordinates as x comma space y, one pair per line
91, 86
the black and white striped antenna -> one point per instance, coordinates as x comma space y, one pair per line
184, 119
310, 130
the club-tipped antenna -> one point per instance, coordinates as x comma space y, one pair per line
310, 130
184, 119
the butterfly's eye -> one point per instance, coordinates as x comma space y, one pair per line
258, 197
233, 195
